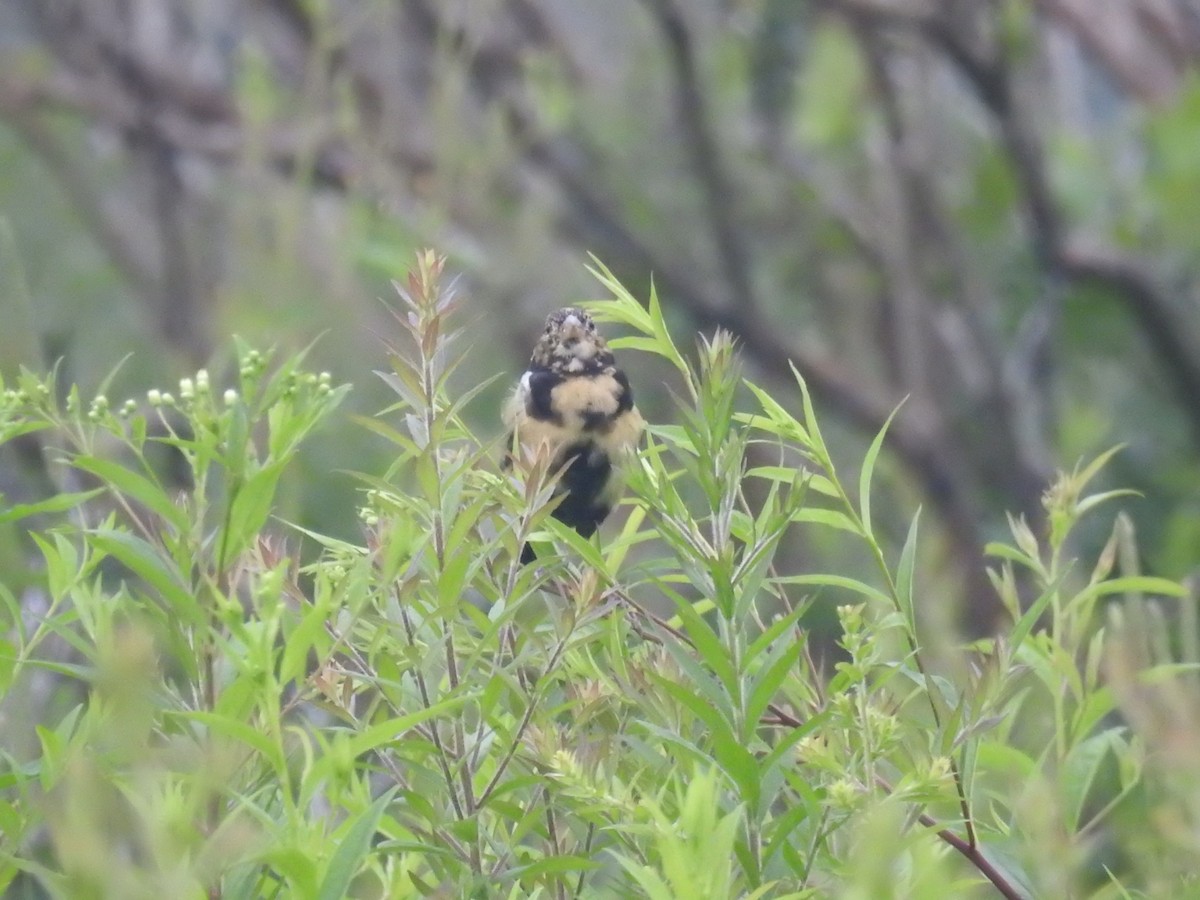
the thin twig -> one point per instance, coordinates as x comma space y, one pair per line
435, 737
968, 848
515, 742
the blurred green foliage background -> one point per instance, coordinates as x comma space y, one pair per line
985, 207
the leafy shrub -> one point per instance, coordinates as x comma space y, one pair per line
191, 707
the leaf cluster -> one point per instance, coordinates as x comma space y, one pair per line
196, 708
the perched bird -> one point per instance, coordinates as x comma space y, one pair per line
574, 400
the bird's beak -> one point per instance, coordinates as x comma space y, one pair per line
572, 327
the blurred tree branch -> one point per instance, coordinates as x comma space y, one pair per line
849, 259
1177, 344
729, 241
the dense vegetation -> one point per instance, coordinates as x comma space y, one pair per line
201, 698
984, 206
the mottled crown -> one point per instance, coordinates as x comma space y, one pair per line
570, 344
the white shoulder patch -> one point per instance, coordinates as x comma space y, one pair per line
514, 407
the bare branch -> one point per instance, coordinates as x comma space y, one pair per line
1146, 44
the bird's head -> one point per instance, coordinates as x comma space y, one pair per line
570, 344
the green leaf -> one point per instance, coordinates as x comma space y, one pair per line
1030, 617
839, 581
773, 633
632, 342
553, 865
652, 886
1007, 551
297, 867
1093, 468
709, 647
1080, 767
868, 469
766, 685
816, 441
585, 547
783, 422
1093, 500
389, 729
300, 640
675, 436
249, 508
354, 845
905, 578
708, 698
148, 564
237, 443
788, 475
329, 543
463, 399
229, 727
829, 517
55, 504
144, 490
781, 828
625, 309
385, 431
727, 748
1146, 584
1098, 704
1167, 672
62, 563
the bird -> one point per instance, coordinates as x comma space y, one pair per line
574, 401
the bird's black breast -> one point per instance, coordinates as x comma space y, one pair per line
584, 482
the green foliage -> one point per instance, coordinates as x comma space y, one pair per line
1173, 171
834, 86
196, 708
